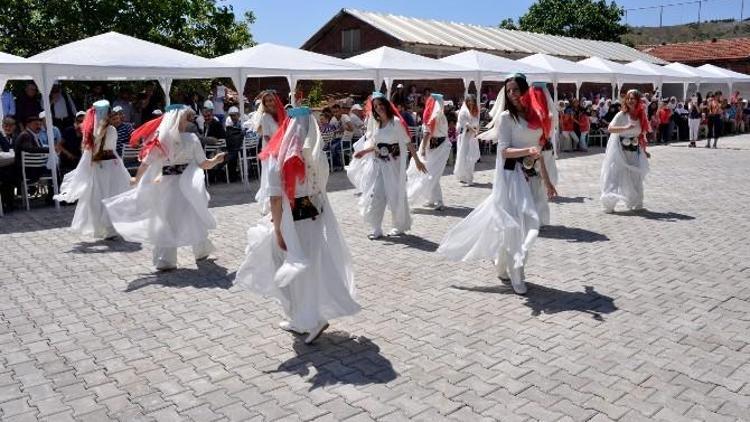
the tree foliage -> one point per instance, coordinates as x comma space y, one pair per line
508, 23
590, 19
201, 27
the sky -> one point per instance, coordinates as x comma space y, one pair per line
292, 22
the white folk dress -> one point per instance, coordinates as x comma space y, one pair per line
382, 179
425, 187
467, 150
623, 171
91, 182
503, 227
168, 211
313, 278
268, 128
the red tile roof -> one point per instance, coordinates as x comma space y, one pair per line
701, 51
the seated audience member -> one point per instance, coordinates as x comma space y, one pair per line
28, 141
69, 149
7, 161
124, 129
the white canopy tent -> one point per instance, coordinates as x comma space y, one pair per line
389, 64
489, 67
662, 75
564, 71
14, 67
269, 60
699, 76
114, 57
730, 76
619, 73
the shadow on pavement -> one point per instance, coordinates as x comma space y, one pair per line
411, 241
339, 358
571, 234
209, 275
569, 200
659, 216
105, 246
446, 212
548, 300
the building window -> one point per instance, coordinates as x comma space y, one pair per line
350, 40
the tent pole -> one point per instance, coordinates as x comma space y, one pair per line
45, 89
3, 81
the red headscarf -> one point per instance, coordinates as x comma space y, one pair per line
87, 128
537, 112
279, 114
640, 114
293, 167
429, 107
147, 132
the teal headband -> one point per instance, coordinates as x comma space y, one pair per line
298, 112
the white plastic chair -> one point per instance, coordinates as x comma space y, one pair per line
212, 150
248, 154
327, 138
32, 160
130, 157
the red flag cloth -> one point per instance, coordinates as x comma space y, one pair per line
293, 167
537, 112
427, 119
147, 131
88, 128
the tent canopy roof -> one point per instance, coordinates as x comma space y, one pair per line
396, 64
566, 71
492, 67
667, 75
15, 67
114, 56
720, 71
620, 72
698, 75
268, 59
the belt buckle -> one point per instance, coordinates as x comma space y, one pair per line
528, 162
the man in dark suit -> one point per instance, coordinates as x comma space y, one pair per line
7, 161
28, 141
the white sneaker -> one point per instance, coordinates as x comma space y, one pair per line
395, 232
439, 206
516, 281
287, 326
316, 332
428, 205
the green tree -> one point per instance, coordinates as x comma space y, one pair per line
202, 27
590, 19
507, 23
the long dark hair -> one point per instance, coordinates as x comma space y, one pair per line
474, 108
523, 85
388, 109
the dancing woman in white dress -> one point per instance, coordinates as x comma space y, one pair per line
297, 254
504, 227
169, 206
467, 151
626, 161
434, 151
265, 122
99, 175
380, 168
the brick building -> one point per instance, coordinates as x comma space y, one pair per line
733, 54
352, 32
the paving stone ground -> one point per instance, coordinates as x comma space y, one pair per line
631, 316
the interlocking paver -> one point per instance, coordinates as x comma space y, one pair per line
629, 316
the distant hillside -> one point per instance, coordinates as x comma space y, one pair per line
642, 35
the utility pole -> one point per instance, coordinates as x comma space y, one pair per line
742, 10
661, 14
700, 4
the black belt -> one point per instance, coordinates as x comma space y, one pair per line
436, 142
547, 146
510, 164
104, 155
387, 151
174, 170
632, 144
304, 208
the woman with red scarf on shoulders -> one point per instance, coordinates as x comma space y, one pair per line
504, 227
626, 160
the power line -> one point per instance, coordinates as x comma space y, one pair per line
681, 3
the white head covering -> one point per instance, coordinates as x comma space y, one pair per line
101, 111
169, 131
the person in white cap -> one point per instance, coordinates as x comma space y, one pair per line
124, 129
434, 151
356, 116
298, 254
43, 138
169, 206
233, 118
99, 175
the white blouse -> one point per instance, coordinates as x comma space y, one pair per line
516, 134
